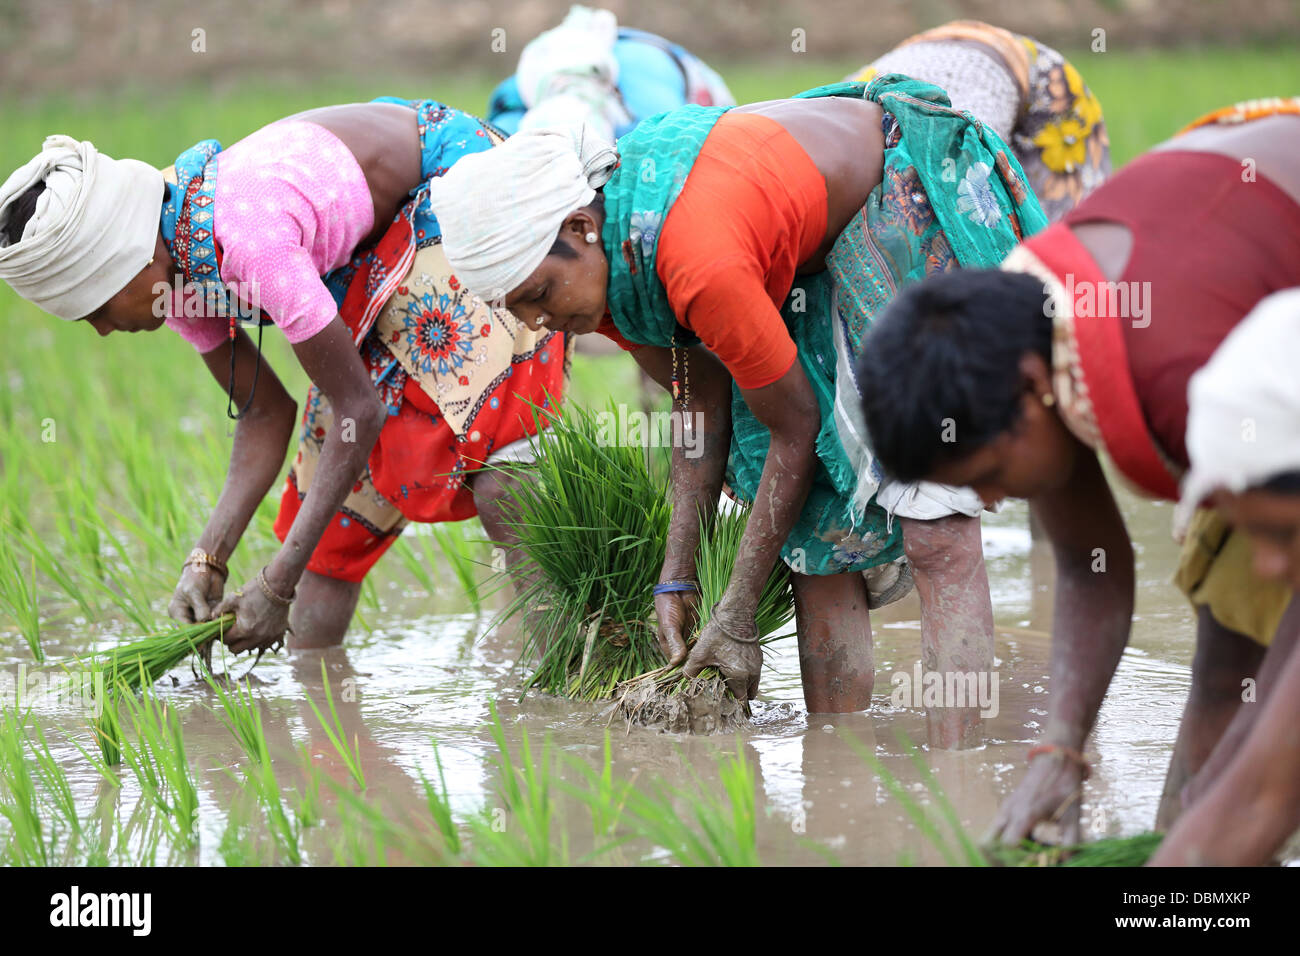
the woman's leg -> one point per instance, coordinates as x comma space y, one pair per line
947, 559
835, 658
322, 611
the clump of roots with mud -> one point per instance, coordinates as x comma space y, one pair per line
670, 701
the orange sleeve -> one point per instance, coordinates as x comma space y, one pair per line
608, 329
727, 305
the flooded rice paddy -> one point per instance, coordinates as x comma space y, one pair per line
418, 671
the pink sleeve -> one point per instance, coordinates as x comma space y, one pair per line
204, 332
280, 278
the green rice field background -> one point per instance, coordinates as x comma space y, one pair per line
112, 453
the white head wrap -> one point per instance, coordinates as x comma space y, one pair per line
1243, 422
500, 210
95, 227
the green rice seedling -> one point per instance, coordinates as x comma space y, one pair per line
439, 805
155, 753
604, 797
363, 834
240, 714
106, 729
236, 846
77, 523
307, 808
59, 798
521, 832
59, 571
351, 756
18, 594
458, 550
956, 847
419, 569
727, 825
27, 843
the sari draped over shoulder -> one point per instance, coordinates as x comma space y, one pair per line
952, 194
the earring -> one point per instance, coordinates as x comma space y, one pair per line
591, 237
1049, 399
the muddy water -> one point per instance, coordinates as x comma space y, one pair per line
417, 677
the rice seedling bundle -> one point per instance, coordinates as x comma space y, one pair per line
138, 664
592, 519
1112, 851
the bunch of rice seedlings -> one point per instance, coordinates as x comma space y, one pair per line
138, 664
666, 698
1111, 851
592, 519
592, 522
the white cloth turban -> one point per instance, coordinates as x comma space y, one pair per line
1243, 422
95, 227
500, 210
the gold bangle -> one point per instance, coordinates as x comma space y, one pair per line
200, 559
271, 595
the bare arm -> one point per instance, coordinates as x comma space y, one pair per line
1092, 617
698, 466
1248, 811
256, 457
331, 360
788, 408
261, 437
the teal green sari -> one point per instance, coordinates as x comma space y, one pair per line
898, 237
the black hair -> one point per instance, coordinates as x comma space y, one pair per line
939, 372
21, 210
560, 247
1287, 483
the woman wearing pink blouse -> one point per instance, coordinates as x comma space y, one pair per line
318, 224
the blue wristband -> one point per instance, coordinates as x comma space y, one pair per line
672, 587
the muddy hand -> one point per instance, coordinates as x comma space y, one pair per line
259, 622
730, 643
676, 614
197, 594
1050, 794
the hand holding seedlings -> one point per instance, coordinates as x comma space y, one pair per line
676, 614
198, 592
1048, 795
729, 642
261, 616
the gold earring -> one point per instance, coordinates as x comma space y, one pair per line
1049, 399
